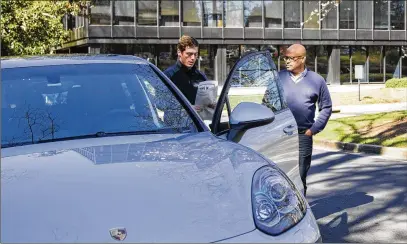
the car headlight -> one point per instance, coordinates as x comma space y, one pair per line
277, 204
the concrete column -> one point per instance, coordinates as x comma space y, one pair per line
334, 66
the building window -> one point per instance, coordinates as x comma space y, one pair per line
167, 56
381, 15
393, 69
274, 13
359, 57
404, 61
347, 15
169, 13
233, 14
191, 12
232, 55
345, 68
253, 16
207, 60
213, 13
311, 14
123, 13
329, 14
147, 13
397, 14
292, 14
364, 14
376, 64
311, 57
100, 12
322, 61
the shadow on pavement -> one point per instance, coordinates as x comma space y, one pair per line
348, 181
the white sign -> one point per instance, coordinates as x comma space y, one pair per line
359, 71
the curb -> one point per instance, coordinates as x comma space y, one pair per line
388, 152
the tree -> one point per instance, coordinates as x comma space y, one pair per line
35, 27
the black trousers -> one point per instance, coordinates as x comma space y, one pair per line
305, 143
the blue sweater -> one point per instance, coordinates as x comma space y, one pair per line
302, 98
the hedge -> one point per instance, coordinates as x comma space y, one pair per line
397, 83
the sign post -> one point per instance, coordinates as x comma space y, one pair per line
359, 75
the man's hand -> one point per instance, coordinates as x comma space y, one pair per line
197, 108
213, 105
308, 132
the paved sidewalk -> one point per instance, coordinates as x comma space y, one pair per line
355, 110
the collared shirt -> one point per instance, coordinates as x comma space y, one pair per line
298, 78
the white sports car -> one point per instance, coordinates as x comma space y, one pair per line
105, 148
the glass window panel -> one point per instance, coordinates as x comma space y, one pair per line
192, 13
253, 13
311, 14
167, 56
381, 11
147, 13
329, 14
169, 13
397, 14
257, 71
392, 62
311, 55
364, 14
207, 60
100, 12
292, 14
347, 15
345, 53
273, 51
359, 57
376, 64
123, 12
404, 61
232, 55
213, 13
233, 14
322, 61
249, 48
274, 13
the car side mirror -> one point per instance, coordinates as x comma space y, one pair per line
248, 115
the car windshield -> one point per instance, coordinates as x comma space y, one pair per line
47, 103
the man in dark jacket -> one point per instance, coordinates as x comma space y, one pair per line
184, 73
303, 89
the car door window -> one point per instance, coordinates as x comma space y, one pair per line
254, 79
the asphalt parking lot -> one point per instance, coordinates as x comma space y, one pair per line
358, 198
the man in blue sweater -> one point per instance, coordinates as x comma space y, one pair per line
303, 89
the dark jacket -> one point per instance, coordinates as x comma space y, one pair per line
185, 79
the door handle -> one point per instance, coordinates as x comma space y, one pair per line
289, 130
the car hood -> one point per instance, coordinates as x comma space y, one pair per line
160, 188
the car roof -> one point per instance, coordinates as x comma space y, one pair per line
66, 59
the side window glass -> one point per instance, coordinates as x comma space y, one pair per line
255, 80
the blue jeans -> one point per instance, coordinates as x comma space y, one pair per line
305, 144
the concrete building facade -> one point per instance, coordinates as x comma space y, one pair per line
338, 34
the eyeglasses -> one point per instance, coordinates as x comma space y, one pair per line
292, 58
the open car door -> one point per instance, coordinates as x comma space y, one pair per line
273, 131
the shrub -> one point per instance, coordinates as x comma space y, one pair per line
396, 83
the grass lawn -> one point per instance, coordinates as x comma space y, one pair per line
384, 129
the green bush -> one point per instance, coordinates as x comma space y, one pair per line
396, 83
